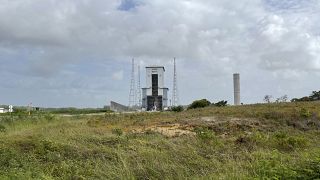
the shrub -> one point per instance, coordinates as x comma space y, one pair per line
199, 104
305, 113
221, 103
315, 96
177, 108
2, 128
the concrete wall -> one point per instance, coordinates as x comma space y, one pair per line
165, 98
116, 107
236, 85
149, 72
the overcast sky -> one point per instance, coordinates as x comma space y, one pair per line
61, 53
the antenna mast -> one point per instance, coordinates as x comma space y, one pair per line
139, 89
175, 97
132, 87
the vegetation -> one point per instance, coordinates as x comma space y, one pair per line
315, 96
77, 111
70, 110
220, 103
177, 109
267, 98
199, 104
282, 99
264, 141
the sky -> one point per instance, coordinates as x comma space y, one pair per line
77, 53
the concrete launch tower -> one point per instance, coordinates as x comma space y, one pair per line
155, 95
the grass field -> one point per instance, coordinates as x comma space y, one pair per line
273, 141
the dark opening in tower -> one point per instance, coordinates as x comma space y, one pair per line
155, 85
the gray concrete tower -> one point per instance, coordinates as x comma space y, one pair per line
236, 85
155, 95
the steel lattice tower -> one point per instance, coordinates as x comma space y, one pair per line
132, 95
175, 97
139, 96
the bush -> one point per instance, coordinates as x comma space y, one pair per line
177, 108
199, 104
220, 103
305, 113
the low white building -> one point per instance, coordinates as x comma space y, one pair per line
3, 110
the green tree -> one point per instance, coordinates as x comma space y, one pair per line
199, 104
315, 96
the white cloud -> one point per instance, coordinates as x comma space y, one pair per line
210, 38
118, 75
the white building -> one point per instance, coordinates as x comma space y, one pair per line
3, 110
155, 95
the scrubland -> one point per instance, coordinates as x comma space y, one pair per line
266, 141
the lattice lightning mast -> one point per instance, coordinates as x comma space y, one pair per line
132, 95
175, 97
139, 96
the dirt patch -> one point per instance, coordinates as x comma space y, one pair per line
222, 126
209, 119
169, 130
173, 130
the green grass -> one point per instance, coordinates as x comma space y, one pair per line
76, 111
274, 141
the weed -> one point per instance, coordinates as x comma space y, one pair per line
304, 113
310, 169
273, 166
2, 128
93, 123
139, 121
117, 131
289, 143
49, 117
274, 115
204, 133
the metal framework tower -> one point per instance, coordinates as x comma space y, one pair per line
132, 95
139, 95
175, 97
